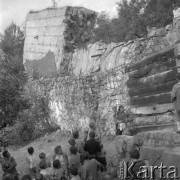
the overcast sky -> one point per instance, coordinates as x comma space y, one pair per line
16, 10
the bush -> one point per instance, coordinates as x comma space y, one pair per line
23, 132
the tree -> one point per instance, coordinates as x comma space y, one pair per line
12, 42
134, 17
12, 80
103, 30
12, 76
159, 13
131, 21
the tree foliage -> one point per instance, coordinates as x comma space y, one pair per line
134, 17
159, 13
12, 76
12, 42
21, 106
12, 80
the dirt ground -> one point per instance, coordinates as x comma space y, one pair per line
47, 144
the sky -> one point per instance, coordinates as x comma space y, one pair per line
16, 10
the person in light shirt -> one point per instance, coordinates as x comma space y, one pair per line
30, 159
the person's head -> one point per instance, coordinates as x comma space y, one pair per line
73, 171
86, 155
72, 142
58, 150
31, 150
56, 164
42, 165
26, 177
76, 134
73, 150
42, 156
92, 125
134, 154
6, 154
121, 108
92, 134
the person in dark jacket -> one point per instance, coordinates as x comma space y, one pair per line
135, 158
120, 116
92, 146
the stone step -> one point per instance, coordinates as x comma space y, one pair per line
166, 138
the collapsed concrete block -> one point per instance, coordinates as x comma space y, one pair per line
58, 31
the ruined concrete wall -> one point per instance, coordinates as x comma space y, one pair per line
57, 43
156, 147
44, 33
58, 31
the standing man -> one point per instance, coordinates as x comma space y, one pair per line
120, 117
175, 99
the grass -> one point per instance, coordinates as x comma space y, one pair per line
47, 144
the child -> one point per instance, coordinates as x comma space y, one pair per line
92, 127
71, 143
79, 142
44, 170
74, 173
59, 155
57, 171
42, 157
30, 159
74, 158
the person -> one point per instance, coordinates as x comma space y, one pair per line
102, 158
30, 159
44, 169
92, 146
57, 172
90, 168
120, 117
74, 158
79, 144
175, 99
74, 173
72, 142
92, 127
135, 158
59, 155
85, 135
44, 161
9, 166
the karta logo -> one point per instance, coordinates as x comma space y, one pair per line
127, 170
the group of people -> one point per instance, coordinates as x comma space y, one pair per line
84, 160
